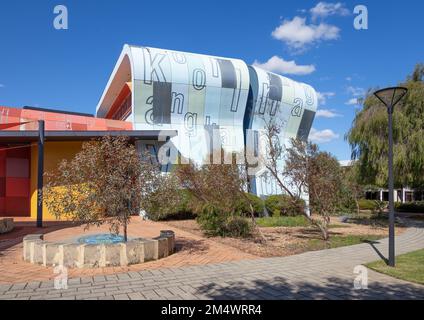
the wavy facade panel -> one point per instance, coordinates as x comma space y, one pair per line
193, 94
200, 95
294, 104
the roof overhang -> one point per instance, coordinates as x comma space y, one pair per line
32, 136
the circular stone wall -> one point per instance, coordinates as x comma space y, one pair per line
76, 255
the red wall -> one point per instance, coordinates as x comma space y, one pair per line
15, 181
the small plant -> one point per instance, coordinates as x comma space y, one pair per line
215, 222
219, 193
367, 204
258, 205
380, 207
283, 205
177, 204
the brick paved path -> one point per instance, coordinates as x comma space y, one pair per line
313, 275
191, 250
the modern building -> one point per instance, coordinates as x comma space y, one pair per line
212, 102
193, 103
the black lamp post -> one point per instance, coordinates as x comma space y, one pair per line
40, 173
390, 97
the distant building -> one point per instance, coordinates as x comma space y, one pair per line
400, 195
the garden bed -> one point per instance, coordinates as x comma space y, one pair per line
285, 241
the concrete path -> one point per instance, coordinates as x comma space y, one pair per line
327, 274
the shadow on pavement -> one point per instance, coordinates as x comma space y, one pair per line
23, 228
333, 288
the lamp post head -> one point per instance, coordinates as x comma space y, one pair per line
391, 96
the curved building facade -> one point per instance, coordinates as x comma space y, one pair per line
205, 99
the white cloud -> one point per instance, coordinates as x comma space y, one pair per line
349, 79
356, 91
279, 65
326, 9
352, 102
323, 96
1, 85
323, 136
297, 34
324, 113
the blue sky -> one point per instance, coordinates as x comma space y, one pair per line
305, 40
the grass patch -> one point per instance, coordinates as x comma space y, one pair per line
409, 267
269, 222
340, 241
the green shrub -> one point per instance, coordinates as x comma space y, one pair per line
238, 227
283, 205
243, 207
411, 207
183, 209
215, 222
347, 203
367, 204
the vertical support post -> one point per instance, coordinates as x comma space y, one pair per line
40, 173
391, 192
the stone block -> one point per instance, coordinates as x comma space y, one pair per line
170, 235
36, 251
162, 248
150, 250
27, 240
71, 256
134, 252
52, 254
92, 255
34, 237
111, 255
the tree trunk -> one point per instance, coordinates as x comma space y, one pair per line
323, 229
358, 209
255, 225
125, 231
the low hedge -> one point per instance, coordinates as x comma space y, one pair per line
283, 205
243, 207
215, 222
184, 209
410, 207
367, 204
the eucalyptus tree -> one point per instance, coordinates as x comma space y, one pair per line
103, 183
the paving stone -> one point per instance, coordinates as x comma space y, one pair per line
89, 296
313, 275
136, 296
121, 297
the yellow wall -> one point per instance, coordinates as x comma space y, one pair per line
54, 152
